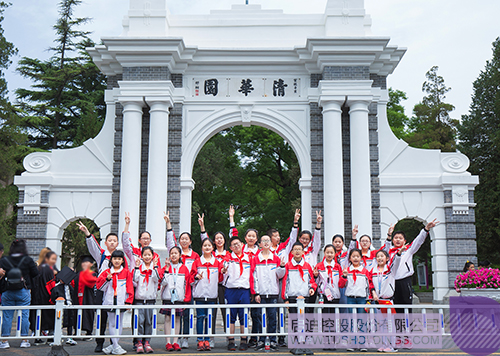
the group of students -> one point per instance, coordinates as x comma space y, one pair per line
261, 270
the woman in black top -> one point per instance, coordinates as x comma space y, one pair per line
16, 291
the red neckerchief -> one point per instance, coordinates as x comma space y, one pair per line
365, 259
147, 274
240, 259
336, 257
301, 271
115, 283
354, 272
330, 270
207, 264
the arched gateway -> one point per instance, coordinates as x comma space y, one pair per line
317, 80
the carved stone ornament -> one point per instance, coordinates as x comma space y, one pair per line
37, 162
32, 200
455, 163
460, 199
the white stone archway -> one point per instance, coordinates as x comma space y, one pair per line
200, 128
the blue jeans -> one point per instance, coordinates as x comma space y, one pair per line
202, 320
271, 314
11, 298
184, 327
351, 300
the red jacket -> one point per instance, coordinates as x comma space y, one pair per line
120, 285
87, 279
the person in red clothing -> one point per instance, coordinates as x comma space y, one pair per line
368, 254
135, 253
116, 283
84, 290
220, 253
299, 278
176, 290
328, 274
266, 269
206, 274
188, 257
251, 236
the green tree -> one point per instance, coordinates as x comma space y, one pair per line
252, 168
431, 125
479, 135
11, 143
398, 121
65, 105
73, 241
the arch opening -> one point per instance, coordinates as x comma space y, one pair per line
253, 168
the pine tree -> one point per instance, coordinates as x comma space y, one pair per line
68, 95
431, 126
479, 135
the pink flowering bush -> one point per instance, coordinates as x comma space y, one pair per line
478, 279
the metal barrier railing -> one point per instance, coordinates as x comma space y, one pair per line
281, 329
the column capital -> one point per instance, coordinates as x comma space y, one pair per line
187, 183
132, 106
160, 106
305, 183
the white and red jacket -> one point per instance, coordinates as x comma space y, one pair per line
311, 251
329, 278
187, 258
208, 286
133, 252
238, 271
384, 281
358, 282
406, 264
343, 257
265, 275
252, 252
121, 286
283, 250
369, 259
146, 282
100, 255
176, 277
220, 256
298, 279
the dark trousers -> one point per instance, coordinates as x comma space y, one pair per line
220, 301
104, 316
403, 293
270, 319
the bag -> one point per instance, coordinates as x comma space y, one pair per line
14, 279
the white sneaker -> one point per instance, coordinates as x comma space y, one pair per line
25, 344
4, 345
108, 350
212, 343
184, 343
119, 351
70, 341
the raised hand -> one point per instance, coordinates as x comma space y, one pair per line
83, 228
166, 217
282, 263
155, 261
199, 276
432, 224
127, 222
109, 276
167, 264
311, 292
296, 217
315, 272
402, 249
344, 272
391, 230
138, 262
201, 221
319, 219
355, 231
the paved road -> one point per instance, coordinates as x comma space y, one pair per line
87, 348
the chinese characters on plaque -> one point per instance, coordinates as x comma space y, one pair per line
252, 87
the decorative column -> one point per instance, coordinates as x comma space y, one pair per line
333, 176
130, 176
305, 185
157, 171
361, 200
187, 186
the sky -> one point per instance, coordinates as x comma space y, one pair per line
455, 35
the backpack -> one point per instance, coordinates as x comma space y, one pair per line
14, 279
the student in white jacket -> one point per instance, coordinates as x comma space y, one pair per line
146, 278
